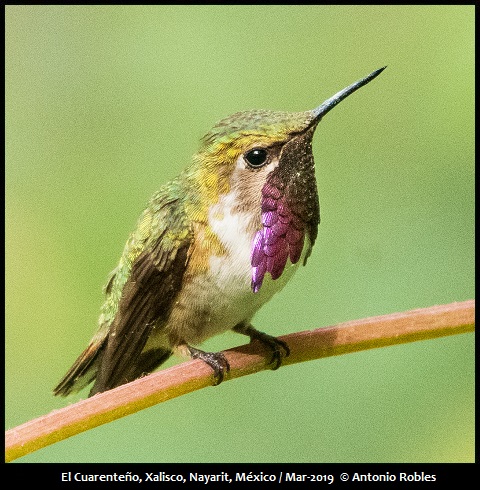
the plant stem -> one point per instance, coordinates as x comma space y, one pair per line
353, 336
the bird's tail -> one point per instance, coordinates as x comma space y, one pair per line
88, 367
147, 362
83, 371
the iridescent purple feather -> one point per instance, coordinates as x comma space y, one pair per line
281, 237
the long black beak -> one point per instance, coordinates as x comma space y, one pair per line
330, 103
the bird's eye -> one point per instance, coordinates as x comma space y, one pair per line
257, 157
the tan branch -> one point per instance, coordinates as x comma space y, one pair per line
369, 333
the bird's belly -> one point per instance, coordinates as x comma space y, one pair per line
222, 297
218, 300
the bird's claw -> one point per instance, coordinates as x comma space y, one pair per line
278, 347
216, 360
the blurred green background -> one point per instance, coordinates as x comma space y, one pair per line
106, 103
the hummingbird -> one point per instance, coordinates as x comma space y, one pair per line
212, 246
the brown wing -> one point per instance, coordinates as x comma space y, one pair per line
146, 300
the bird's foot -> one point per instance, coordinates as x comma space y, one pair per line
278, 347
216, 360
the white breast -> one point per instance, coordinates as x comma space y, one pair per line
231, 274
